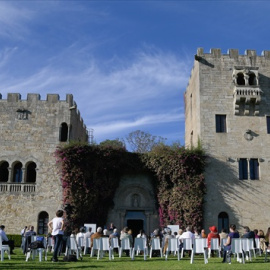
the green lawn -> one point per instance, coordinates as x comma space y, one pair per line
18, 262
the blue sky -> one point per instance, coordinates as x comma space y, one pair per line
127, 63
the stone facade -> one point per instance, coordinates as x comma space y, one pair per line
135, 205
227, 108
30, 131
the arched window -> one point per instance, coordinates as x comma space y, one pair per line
31, 172
17, 172
223, 221
43, 219
4, 173
252, 79
240, 79
63, 132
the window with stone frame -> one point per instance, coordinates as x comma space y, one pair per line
43, 219
254, 169
63, 132
17, 172
223, 221
249, 169
221, 126
4, 172
31, 172
243, 169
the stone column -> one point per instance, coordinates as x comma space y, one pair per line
148, 219
24, 175
9, 175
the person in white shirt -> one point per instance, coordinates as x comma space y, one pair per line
56, 226
187, 234
5, 240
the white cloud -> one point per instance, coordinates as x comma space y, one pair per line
117, 126
12, 20
144, 90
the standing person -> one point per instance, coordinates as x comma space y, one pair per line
227, 246
22, 235
56, 226
30, 232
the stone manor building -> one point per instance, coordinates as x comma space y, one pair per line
30, 131
227, 108
30, 186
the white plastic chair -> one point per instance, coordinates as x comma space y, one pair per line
187, 245
49, 246
4, 248
81, 243
145, 243
87, 244
246, 248
105, 246
173, 246
252, 247
236, 248
115, 245
267, 251
38, 251
73, 246
155, 245
214, 246
200, 246
258, 246
125, 245
96, 246
139, 245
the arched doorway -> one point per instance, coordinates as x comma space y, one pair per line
223, 221
136, 221
43, 219
135, 205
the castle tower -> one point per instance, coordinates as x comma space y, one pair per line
227, 109
30, 131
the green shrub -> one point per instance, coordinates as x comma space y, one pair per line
16, 238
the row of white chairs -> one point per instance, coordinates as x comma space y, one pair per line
105, 244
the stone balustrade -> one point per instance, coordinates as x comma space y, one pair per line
17, 188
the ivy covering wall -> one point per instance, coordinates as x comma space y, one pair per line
90, 175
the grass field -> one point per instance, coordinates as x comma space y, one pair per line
18, 262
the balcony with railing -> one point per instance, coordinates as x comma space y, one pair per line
17, 188
247, 96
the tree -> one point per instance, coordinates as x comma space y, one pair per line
142, 142
117, 143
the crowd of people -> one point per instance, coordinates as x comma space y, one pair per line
56, 229
166, 233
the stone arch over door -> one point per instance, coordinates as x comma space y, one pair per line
135, 203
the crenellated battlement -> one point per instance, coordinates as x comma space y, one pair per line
232, 53
51, 98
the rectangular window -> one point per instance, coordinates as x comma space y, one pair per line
220, 123
254, 168
268, 124
243, 169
